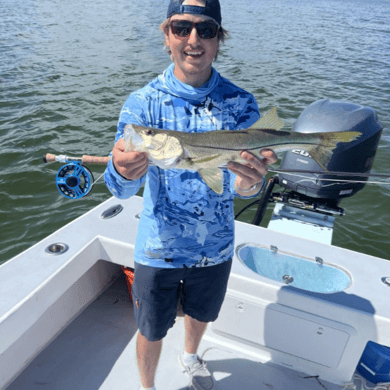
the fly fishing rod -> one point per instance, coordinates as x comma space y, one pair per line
74, 180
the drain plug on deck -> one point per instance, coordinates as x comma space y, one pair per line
111, 212
287, 279
56, 249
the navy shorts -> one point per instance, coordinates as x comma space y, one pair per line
156, 292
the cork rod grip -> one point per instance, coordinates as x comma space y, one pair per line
91, 160
96, 160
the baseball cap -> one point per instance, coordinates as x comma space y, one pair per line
212, 9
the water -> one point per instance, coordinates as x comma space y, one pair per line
67, 67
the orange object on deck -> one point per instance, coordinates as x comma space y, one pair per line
129, 272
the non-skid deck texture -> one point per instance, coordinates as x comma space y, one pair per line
97, 351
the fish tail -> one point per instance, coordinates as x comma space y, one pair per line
323, 152
340, 136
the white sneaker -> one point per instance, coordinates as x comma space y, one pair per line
200, 377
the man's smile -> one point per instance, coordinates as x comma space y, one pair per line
193, 53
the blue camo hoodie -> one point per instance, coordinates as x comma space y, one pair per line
183, 223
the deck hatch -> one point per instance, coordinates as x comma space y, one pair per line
294, 333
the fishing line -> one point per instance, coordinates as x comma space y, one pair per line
295, 173
334, 173
97, 179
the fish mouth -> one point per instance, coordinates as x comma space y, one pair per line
141, 141
133, 140
136, 140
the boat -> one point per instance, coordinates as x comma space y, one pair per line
299, 313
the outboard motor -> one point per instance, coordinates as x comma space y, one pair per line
308, 209
354, 157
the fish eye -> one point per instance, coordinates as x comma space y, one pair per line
149, 132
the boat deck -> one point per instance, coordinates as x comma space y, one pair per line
97, 351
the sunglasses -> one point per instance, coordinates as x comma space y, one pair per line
183, 29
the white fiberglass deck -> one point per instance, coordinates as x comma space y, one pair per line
55, 334
97, 351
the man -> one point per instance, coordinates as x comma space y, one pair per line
186, 231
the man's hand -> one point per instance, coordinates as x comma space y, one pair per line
130, 165
248, 175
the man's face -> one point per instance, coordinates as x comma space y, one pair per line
193, 56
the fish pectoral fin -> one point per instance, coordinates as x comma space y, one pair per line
321, 155
213, 177
269, 121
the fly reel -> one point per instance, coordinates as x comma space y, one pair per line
74, 181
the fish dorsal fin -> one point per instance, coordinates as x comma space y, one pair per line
269, 121
213, 177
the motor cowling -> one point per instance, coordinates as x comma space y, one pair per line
354, 157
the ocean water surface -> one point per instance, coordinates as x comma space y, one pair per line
67, 67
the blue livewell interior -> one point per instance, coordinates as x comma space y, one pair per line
301, 273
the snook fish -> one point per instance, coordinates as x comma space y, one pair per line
209, 152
